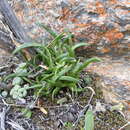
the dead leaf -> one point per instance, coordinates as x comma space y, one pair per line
43, 110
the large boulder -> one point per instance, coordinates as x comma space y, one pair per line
104, 24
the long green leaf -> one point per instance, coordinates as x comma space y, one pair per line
49, 57
44, 56
61, 73
87, 62
27, 80
69, 78
76, 67
59, 37
79, 45
52, 33
46, 76
70, 51
61, 56
35, 86
15, 75
89, 120
68, 39
26, 45
74, 88
55, 91
67, 60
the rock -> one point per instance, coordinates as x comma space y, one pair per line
103, 24
4, 55
99, 107
114, 81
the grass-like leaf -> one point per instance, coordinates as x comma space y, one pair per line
52, 33
89, 120
60, 57
67, 60
27, 45
87, 62
69, 79
49, 57
56, 40
79, 45
61, 73
55, 91
70, 51
15, 75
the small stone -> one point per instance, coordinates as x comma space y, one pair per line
99, 107
127, 27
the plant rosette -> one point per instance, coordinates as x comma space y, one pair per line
18, 92
17, 81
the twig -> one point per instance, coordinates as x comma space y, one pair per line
2, 67
2, 118
37, 107
15, 125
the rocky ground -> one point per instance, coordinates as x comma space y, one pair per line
106, 115
105, 25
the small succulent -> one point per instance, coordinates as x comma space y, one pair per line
4, 94
17, 81
18, 92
